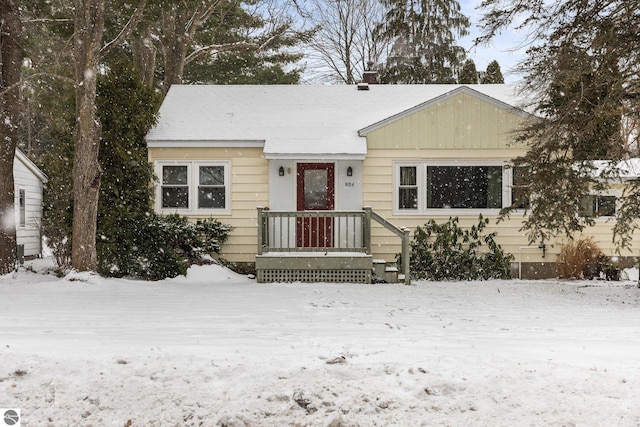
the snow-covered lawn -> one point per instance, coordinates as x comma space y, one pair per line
217, 349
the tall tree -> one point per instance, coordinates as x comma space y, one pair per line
583, 71
469, 73
424, 34
346, 41
493, 74
10, 64
198, 31
237, 31
89, 18
127, 110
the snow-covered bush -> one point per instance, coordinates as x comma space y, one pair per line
157, 247
448, 252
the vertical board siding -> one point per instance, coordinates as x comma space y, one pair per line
461, 122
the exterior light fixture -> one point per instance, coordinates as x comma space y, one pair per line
349, 171
281, 171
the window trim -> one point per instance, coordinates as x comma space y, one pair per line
606, 193
421, 172
193, 171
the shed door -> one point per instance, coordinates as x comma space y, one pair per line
315, 192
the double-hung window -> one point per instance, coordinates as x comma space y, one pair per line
408, 188
430, 186
211, 187
175, 187
193, 187
596, 206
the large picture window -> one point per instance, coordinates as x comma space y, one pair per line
193, 187
464, 187
426, 186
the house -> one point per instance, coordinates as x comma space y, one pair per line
324, 182
29, 182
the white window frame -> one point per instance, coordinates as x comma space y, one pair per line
193, 171
612, 193
421, 172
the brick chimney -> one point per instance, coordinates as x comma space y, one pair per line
370, 76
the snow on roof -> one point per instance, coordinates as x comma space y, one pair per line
628, 169
294, 120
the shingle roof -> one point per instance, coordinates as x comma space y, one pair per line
293, 120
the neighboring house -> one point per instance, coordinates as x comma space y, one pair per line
315, 157
28, 189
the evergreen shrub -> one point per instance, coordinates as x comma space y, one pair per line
158, 247
448, 252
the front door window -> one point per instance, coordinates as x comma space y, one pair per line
316, 189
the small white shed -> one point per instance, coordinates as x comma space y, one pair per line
29, 183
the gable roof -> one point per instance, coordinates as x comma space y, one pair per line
297, 121
20, 156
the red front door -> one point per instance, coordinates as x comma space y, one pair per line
315, 193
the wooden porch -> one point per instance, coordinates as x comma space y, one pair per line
322, 246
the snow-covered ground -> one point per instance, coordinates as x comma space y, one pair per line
217, 349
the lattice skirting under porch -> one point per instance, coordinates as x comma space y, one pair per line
307, 276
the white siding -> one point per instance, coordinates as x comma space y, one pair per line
29, 234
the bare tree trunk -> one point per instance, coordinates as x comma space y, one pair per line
144, 58
10, 63
175, 41
89, 26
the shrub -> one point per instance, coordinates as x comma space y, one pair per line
579, 259
157, 247
447, 252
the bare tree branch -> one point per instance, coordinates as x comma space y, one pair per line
127, 29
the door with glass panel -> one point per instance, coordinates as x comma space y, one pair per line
315, 192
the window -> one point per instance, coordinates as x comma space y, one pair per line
594, 206
194, 187
466, 187
426, 186
23, 208
408, 188
519, 190
175, 187
211, 188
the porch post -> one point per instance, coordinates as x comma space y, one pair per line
406, 255
261, 228
366, 230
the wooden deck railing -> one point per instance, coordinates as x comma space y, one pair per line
324, 231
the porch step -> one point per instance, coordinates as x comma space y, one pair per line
384, 272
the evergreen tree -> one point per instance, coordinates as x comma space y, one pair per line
126, 110
469, 73
493, 74
424, 34
584, 77
239, 59
10, 62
